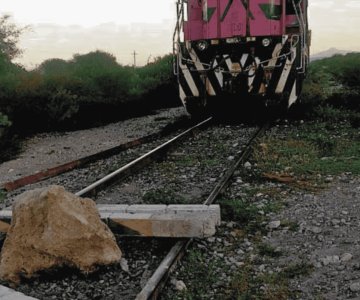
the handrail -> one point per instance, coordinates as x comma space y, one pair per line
304, 40
300, 17
177, 34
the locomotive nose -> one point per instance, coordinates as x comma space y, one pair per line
242, 49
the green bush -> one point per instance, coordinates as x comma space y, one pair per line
4, 120
59, 92
343, 68
62, 105
335, 80
54, 67
332, 90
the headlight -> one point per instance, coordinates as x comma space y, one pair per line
266, 42
202, 45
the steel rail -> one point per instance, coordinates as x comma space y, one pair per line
71, 165
135, 163
66, 167
154, 285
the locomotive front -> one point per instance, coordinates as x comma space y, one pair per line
243, 50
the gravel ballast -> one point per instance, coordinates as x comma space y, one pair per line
308, 249
190, 172
47, 150
314, 233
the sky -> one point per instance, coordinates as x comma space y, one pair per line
60, 29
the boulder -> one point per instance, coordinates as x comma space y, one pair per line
53, 228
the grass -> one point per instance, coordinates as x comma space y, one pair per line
239, 210
275, 286
169, 168
246, 285
297, 270
268, 250
163, 196
187, 161
250, 217
293, 226
299, 153
309, 150
211, 162
302, 156
200, 275
244, 210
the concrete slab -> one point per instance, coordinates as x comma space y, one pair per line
180, 221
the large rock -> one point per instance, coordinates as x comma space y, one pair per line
54, 228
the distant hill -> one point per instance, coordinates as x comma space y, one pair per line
328, 53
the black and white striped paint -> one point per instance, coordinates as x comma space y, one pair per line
270, 72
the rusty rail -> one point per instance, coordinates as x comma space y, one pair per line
52, 172
63, 168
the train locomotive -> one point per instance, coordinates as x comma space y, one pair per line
238, 51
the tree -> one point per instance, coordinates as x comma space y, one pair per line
54, 66
9, 37
94, 63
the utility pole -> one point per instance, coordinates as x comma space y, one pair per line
134, 54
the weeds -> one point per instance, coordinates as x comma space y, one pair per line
268, 250
4, 120
244, 210
200, 273
250, 217
247, 285
309, 150
210, 162
187, 161
2, 195
241, 284
293, 226
239, 210
297, 270
168, 167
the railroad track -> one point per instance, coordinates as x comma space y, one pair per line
153, 286
83, 161
140, 162
77, 174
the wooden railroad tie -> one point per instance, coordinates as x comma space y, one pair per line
176, 221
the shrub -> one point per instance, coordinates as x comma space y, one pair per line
335, 80
62, 105
59, 92
4, 120
332, 90
54, 67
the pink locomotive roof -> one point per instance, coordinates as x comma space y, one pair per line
216, 19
